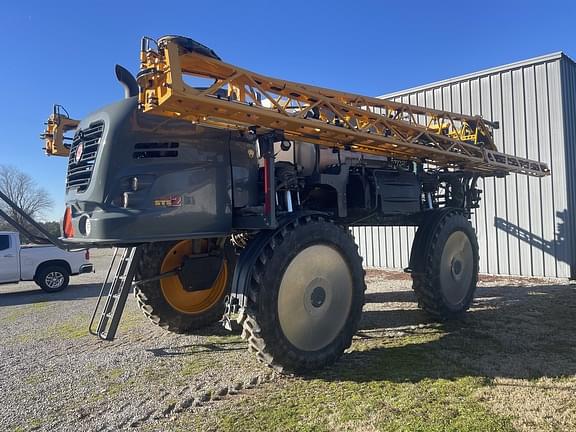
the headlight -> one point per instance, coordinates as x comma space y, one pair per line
84, 225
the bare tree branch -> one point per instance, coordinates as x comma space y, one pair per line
24, 192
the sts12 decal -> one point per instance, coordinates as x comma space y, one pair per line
168, 201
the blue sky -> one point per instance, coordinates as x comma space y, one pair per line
65, 52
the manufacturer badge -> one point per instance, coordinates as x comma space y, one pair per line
79, 151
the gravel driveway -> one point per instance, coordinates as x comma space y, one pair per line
54, 376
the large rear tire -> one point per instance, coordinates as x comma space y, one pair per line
444, 263
306, 296
166, 302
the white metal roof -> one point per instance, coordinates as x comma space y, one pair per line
534, 60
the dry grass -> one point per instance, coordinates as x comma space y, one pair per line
545, 404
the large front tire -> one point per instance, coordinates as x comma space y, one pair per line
306, 297
166, 302
444, 265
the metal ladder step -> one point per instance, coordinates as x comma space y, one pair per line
115, 293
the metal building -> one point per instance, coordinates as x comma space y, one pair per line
525, 226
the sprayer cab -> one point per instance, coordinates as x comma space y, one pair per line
129, 172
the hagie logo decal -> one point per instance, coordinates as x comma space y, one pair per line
169, 201
79, 151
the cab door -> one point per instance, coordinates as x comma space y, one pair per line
9, 267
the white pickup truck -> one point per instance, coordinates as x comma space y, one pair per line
48, 266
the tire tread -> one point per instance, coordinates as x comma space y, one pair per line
425, 262
269, 347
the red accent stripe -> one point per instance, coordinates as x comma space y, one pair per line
266, 187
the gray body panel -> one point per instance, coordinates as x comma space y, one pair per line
184, 174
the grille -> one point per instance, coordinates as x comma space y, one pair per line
80, 173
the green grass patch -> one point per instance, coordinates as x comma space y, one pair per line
114, 373
114, 388
211, 354
200, 363
72, 329
132, 319
35, 423
156, 372
383, 384
34, 379
24, 311
24, 338
112, 381
31, 424
317, 405
224, 339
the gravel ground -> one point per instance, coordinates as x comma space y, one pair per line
54, 376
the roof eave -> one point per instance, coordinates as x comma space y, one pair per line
515, 65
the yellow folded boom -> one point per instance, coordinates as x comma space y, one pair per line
236, 98
58, 124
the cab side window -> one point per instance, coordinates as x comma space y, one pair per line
4, 242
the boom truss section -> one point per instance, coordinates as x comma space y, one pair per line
239, 99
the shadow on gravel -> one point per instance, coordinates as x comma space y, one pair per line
391, 296
73, 292
512, 332
392, 319
191, 349
217, 339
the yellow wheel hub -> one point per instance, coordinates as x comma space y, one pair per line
184, 301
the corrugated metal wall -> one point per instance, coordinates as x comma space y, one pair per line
568, 78
524, 225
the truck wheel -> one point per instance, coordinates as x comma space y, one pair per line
306, 297
52, 278
444, 265
166, 302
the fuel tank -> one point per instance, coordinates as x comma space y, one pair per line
309, 157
